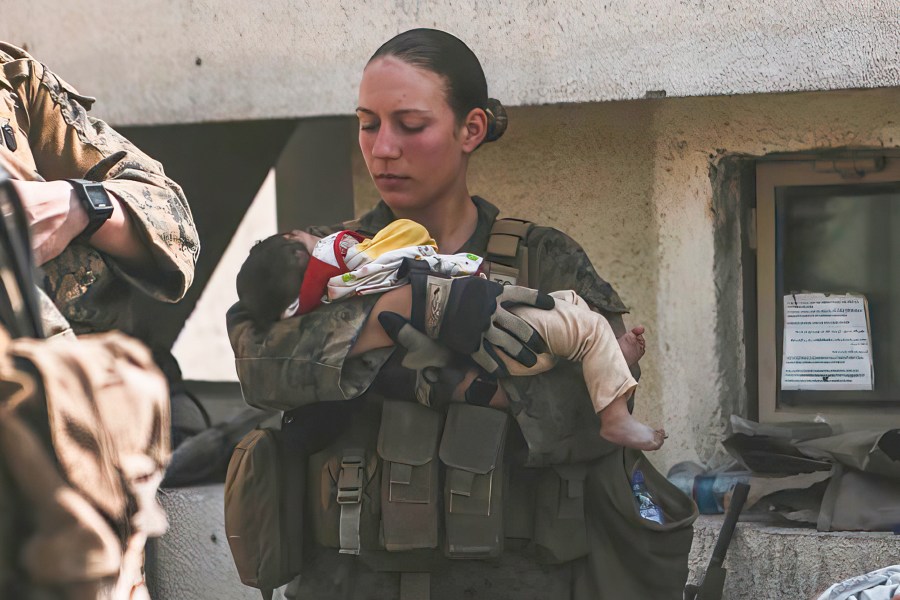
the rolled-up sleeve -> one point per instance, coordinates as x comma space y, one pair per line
304, 359
67, 143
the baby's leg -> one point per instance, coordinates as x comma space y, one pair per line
574, 332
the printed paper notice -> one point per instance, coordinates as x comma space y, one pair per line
826, 343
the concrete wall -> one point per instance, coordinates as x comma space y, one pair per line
631, 182
178, 61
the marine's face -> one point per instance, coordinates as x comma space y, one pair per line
413, 146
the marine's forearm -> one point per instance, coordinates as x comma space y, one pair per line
372, 334
298, 360
118, 237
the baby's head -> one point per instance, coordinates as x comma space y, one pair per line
270, 279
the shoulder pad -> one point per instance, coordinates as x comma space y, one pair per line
506, 236
507, 251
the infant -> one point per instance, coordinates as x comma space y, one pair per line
293, 273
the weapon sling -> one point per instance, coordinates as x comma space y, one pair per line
712, 583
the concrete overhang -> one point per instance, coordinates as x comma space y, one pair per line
188, 61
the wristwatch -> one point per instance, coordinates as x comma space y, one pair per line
96, 203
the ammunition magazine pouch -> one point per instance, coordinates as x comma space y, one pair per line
343, 494
472, 450
407, 444
559, 529
378, 489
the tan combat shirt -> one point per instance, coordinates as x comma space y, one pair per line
47, 134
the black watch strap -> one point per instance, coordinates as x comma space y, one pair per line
96, 202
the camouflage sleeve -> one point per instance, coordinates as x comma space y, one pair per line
557, 262
303, 359
67, 143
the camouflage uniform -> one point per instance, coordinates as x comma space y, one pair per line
48, 135
300, 362
282, 368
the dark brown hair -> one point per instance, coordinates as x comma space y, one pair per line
448, 56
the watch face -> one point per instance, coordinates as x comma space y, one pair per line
97, 196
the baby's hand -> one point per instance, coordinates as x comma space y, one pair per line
307, 239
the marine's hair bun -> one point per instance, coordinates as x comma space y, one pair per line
497, 120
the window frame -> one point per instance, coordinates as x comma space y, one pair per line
802, 171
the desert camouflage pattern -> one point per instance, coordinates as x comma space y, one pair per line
84, 441
48, 134
302, 360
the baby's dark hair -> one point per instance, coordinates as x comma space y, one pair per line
269, 280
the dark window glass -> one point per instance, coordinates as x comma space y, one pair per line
840, 239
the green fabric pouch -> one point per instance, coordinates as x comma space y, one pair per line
407, 445
559, 532
472, 450
636, 557
843, 510
343, 487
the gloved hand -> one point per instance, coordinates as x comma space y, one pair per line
437, 368
421, 352
469, 315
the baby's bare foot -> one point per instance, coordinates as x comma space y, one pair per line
633, 345
631, 433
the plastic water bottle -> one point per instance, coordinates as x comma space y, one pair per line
712, 492
647, 508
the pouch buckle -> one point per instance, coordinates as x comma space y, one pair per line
350, 480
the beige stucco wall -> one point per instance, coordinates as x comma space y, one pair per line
182, 61
630, 181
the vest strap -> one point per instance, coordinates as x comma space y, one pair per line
507, 251
349, 496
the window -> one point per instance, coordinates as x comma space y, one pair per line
829, 227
